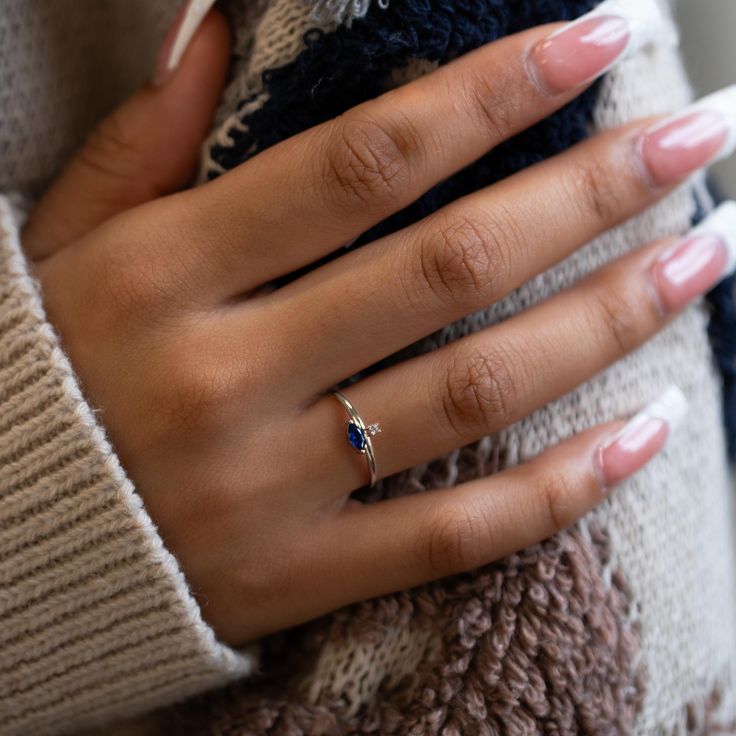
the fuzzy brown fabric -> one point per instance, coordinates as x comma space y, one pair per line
537, 643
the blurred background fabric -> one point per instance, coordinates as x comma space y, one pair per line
710, 52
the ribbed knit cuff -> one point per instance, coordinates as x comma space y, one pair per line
96, 618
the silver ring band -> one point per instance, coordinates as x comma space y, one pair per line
359, 434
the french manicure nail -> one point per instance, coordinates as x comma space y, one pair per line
692, 139
177, 40
694, 265
641, 438
589, 46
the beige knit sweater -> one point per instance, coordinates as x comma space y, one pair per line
96, 619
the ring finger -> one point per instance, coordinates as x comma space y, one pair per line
484, 382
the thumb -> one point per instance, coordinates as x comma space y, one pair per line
146, 148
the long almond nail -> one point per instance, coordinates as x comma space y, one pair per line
641, 439
694, 265
178, 38
694, 138
589, 46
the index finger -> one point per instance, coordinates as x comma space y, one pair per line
336, 180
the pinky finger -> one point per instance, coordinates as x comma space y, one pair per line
407, 541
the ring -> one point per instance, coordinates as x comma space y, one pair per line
359, 434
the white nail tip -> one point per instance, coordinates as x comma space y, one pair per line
670, 406
648, 24
195, 13
722, 102
722, 223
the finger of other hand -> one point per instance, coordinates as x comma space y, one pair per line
146, 148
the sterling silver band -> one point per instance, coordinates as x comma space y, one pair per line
359, 434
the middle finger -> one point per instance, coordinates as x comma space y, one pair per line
368, 304
306, 196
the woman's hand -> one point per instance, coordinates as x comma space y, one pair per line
211, 383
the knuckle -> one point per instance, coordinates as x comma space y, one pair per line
616, 317
462, 259
493, 103
367, 161
130, 291
595, 191
200, 393
480, 394
111, 149
452, 541
556, 497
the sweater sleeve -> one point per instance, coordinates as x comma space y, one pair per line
96, 619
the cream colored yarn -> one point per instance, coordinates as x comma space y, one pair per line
96, 619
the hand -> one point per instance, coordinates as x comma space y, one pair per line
211, 384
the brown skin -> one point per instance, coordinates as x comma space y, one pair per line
240, 461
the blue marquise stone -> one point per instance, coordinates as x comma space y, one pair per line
356, 436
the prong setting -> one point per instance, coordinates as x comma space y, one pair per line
359, 435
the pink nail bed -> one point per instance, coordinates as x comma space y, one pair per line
684, 145
689, 270
641, 438
699, 261
180, 35
581, 52
692, 139
587, 47
164, 70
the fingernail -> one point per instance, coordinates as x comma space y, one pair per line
694, 138
646, 434
177, 40
694, 265
589, 46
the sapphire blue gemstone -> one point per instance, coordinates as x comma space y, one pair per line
356, 436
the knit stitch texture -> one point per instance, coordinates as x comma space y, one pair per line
621, 624
633, 647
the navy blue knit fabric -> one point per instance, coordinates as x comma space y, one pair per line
722, 331
350, 65
340, 69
